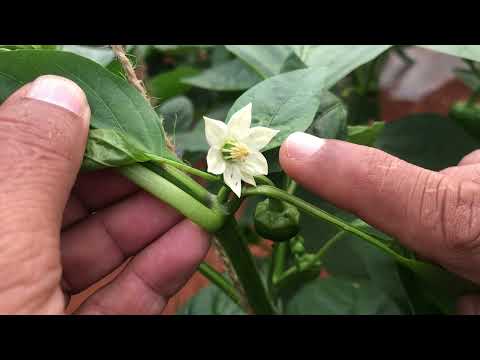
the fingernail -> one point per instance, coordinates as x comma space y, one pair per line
61, 92
301, 146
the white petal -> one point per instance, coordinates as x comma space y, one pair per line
255, 164
233, 178
248, 178
215, 132
239, 123
259, 137
215, 161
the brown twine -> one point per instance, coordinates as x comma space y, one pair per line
233, 275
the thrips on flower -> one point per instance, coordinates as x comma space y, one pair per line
235, 148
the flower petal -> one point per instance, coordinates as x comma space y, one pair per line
239, 123
248, 178
215, 161
259, 137
215, 132
233, 178
255, 164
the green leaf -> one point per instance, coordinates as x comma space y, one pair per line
210, 301
439, 286
113, 102
287, 102
291, 63
427, 140
365, 134
232, 75
110, 148
330, 122
169, 84
471, 52
102, 55
266, 60
331, 119
177, 113
338, 57
193, 141
339, 296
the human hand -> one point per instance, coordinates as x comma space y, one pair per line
436, 214
51, 245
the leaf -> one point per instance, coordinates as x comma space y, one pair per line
287, 102
232, 75
113, 102
110, 148
169, 84
102, 55
210, 301
330, 123
427, 140
338, 57
291, 63
439, 286
177, 113
365, 135
339, 296
471, 52
266, 60
331, 119
193, 140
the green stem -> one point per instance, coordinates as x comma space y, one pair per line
220, 281
284, 279
237, 251
188, 169
183, 181
279, 257
164, 190
272, 192
264, 180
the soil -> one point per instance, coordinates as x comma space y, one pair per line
427, 86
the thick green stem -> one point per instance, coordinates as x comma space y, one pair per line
164, 190
273, 192
219, 280
237, 251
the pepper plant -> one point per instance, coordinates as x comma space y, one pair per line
233, 106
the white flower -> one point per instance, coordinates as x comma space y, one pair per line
235, 149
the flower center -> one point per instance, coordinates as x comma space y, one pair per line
233, 150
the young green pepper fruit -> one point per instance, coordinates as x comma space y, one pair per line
467, 116
276, 220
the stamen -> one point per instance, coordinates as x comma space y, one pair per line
235, 151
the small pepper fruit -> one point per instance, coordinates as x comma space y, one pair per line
276, 220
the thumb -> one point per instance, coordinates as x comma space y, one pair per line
43, 132
429, 212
